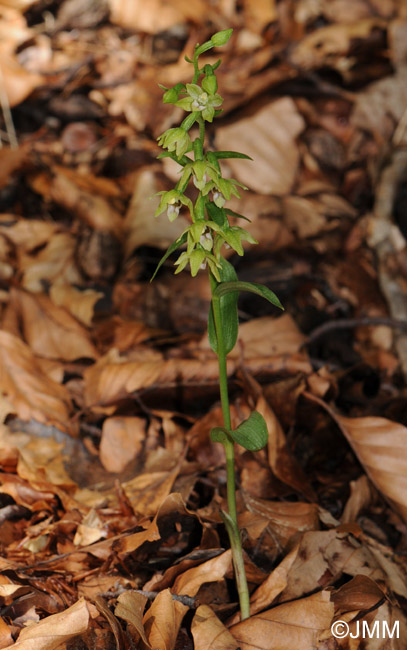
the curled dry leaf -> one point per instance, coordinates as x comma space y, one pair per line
284, 466
286, 519
130, 606
139, 226
50, 330
54, 630
269, 138
157, 15
79, 303
297, 624
381, 447
161, 623
209, 632
328, 45
29, 390
122, 440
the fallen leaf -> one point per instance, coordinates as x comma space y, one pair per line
122, 440
140, 227
295, 624
130, 606
51, 632
79, 303
269, 138
51, 331
209, 632
160, 622
29, 390
157, 16
381, 447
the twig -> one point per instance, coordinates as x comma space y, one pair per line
350, 323
8, 118
189, 601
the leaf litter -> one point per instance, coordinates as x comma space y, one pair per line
110, 490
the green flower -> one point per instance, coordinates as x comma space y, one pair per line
199, 100
177, 140
198, 260
172, 202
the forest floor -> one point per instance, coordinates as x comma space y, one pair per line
110, 489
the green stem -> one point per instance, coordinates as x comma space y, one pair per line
231, 521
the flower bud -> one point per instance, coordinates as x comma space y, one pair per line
221, 38
210, 84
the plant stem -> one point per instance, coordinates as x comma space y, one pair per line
230, 521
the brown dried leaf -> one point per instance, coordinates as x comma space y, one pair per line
17, 82
269, 138
284, 465
29, 390
381, 447
158, 15
51, 632
213, 570
360, 498
359, 593
122, 440
323, 556
296, 624
130, 606
161, 623
274, 584
328, 45
51, 331
209, 632
140, 227
79, 303
285, 519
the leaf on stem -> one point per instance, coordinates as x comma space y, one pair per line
251, 434
173, 247
222, 155
228, 311
225, 288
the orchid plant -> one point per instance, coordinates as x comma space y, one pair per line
201, 247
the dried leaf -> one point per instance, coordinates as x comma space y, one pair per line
79, 303
381, 446
269, 138
51, 331
122, 440
157, 16
209, 632
130, 606
296, 624
29, 390
51, 632
161, 623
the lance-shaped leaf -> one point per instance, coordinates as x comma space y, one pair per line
251, 434
222, 155
173, 247
228, 311
225, 288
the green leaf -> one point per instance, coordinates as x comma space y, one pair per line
251, 434
217, 214
219, 434
228, 310
184, 160
173, 247
224, 288
222, 155
232, 213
